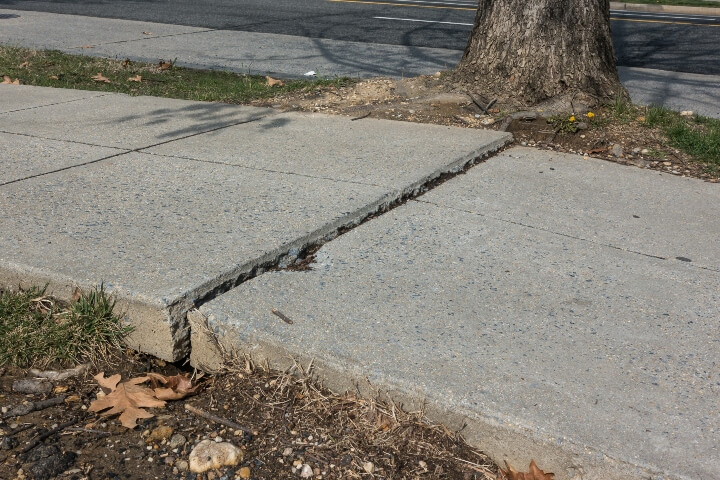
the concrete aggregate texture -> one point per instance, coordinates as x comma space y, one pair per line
606, 357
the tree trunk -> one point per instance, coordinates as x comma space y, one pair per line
533, 52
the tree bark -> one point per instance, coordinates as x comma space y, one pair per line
533, 52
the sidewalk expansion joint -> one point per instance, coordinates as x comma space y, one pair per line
99, 94
567, 235
123, 152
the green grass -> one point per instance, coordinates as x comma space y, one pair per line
38, 330
699, 136
691, 3
50, 68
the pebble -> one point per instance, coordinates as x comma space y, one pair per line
182, 466
287, 452
244, 472
169, 460
369, 467
177, 441
617, 150
307, 471
644, 151
686, 113
159, 434
208, 455
636, 150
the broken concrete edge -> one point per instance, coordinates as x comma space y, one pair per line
648, 7
212, 351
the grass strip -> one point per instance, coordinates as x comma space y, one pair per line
686, 3
697, 135
52, 68
38, 330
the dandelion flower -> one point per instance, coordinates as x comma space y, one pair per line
590, 115
572, 118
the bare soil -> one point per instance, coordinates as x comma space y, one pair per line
430, 99
287, 420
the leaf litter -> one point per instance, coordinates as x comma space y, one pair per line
284, 421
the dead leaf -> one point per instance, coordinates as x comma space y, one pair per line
77, 293
136, 78
54, 77
271, 82
127, 398
100, 78
126, 63
534, 474
23, 65
165, 65
8, 81
175, 387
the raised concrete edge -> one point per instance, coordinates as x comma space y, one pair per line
500, 441
646, 7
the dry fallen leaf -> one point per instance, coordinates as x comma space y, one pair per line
126, 63
100, 78
165, 65
534, 474
271, 82
175, 387
136, 78
8, 81
54, 77
23, 65
127, 398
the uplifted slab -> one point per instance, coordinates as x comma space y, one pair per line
24, 156
394, 154
600, 361
164, 232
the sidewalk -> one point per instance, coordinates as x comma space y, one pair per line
562, 309
290, 56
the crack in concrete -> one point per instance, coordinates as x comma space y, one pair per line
100, 94
561, 234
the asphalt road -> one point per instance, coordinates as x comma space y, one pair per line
681, 43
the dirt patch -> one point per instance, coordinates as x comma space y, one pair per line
428, 99
290, 428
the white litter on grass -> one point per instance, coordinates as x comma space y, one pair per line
311, 73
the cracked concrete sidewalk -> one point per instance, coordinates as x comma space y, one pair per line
563, 309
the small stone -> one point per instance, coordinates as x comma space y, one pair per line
487, 121
208, 455
617, 150
644, 151
31, 385
7, 442
636, 150
182, 466
667, 164
306, 472
581, 126
169, 460
686, 113
422, 464
287, 452
244, 472
211, 475
524, 144
297, 463
177, 441
159, 434
369, 467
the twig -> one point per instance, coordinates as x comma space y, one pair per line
361, 117
90, 430
216, 419
34, 406
282, 316
21, 428
36, 441
476, 102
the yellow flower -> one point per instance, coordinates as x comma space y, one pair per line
572, 118
590, 115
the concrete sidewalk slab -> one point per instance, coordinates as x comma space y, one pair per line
23, 97
59, 31
24, 156
338, 148
122, 121
164, 232
627, 208
600, 361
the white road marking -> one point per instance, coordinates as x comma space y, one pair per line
422, 21
663, 15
